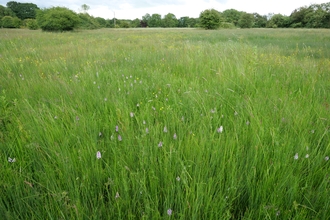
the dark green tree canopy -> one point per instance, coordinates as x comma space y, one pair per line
23, 10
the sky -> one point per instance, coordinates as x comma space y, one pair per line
131, 9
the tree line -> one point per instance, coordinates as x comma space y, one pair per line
29, 15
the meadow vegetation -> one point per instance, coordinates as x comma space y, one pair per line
165, 123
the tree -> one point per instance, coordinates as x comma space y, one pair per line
85, 8
136, 23
259, 21
279, 21
231, 16
145, 20
155, 20
246, 20
23, 10
210, 19
87, 21
57, 19
4, 11
170, 20
101, 21
183, 21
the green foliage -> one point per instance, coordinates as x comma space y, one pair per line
23, 10
101, 21
170, 20
232, 16
210, 19
155, 20
87, 22
57, 19
4, 11
226, 25
136, 23
145, 20
246, 20
10, 22
279, 21
32, 24
124, 24
259, 21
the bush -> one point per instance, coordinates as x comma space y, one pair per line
87, 21
227, 25
210, 19
31, 24
57, 19
10, 22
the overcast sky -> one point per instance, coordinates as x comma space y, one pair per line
131, 9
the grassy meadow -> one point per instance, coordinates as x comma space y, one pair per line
165, 124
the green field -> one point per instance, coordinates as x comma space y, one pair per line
190, 124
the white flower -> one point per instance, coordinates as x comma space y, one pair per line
11, 160
296, 156
98, 155
220, 129
326, 158
307, 156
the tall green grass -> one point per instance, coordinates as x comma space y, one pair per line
152, 102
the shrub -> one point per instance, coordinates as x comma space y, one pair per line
31, 24
10, 22
57, 19
210, 19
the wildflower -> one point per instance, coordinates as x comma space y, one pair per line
307, 156
160, 144
178, 178
117, 195
213, 110
220, 129
131, 114
119, 138
11, 160
147, 130
144, 122
326, 158
105, 99
169, 212
117, 128
296, 156
100, 134
165, 129
98, 155
175, 136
